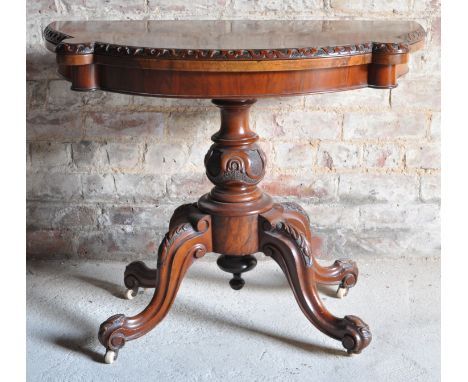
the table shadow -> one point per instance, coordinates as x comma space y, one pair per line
83, 343
86, 342
114, 289
222, 281
274, 280
199, 314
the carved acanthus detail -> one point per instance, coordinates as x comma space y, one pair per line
107, 49
298, 237
169, 240
64, 47
292, 206
390, 48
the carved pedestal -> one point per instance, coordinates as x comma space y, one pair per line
236, 219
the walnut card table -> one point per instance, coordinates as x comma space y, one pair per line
234, 63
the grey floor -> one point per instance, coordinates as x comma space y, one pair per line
213, 333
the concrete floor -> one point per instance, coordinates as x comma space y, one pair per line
214, 333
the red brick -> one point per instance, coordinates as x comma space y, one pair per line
41, 8
102, 100
123, 155
40, 64
430, 188
164, 104
398, 215
53, 186
339, 155
368, 6
43, 215
115, 244
313, 187
123, 124
98, 187
140, 188
265, 125
49, 243
50, 154
310, 124
61, 97
166, 158
188, 186
332, 215
193, 124
36, 94
369, 188
385, 125
417, 95
43, 125
89, 155
435, 29
294, 155
182, 6
426, 156
106, 9
248, 7
358, 99
382, 155
435, 127
149, 216
427, 6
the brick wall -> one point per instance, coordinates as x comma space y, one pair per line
105, 171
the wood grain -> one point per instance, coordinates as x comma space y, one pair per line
231, 59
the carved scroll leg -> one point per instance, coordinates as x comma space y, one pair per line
189, 237
343, 272
138, 275
285, 241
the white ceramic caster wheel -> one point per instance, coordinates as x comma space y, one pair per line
110, 356
341, 292
130, 293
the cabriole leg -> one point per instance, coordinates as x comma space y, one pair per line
283, 236
189, 237
343, 271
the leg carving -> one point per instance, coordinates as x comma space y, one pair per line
343, 271
189, 237
283, 236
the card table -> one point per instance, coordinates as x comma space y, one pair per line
233, 63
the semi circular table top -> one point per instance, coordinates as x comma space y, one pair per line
232, 59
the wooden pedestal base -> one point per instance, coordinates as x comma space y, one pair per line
236, 219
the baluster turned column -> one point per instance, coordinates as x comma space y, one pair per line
235, 164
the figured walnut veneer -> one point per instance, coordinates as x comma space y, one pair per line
233, 63
238, 59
